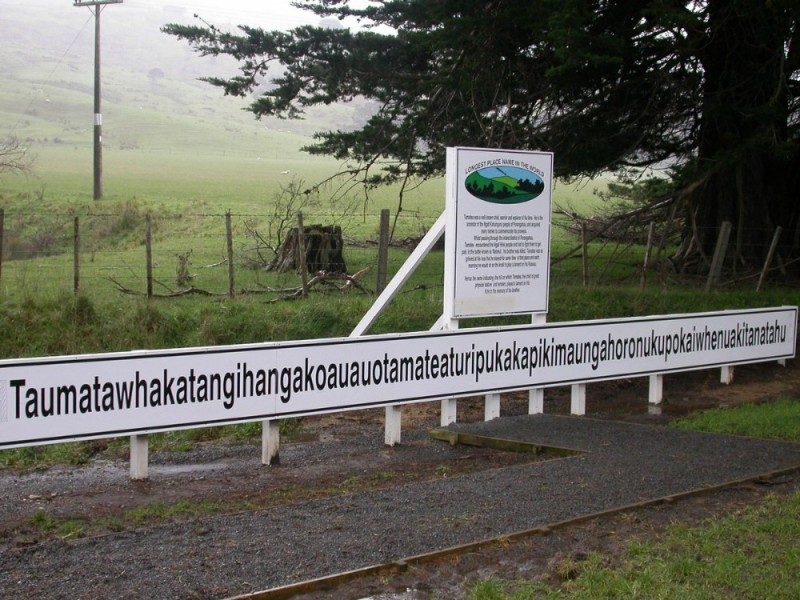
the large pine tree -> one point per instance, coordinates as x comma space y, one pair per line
711, 87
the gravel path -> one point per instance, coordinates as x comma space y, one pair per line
220, 556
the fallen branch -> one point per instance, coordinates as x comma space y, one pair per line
215, 265
321, 278
178, 294
325, 278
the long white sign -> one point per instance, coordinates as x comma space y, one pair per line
65, 398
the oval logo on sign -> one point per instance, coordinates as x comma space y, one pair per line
504, 185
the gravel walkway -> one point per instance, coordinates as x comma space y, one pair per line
227, 555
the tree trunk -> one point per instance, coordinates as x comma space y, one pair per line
323, 250
747, 172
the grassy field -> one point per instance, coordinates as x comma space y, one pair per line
187, 192
187, 197
177, 149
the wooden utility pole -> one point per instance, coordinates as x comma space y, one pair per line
98, 115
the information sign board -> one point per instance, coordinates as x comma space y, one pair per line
498, 248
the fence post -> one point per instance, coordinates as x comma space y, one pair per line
647, 254
383, 252
301, 253
76, 263
148, 246
770, 255
2, 230
585, 247
229, 238
719, 255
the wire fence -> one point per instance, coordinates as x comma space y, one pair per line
213, 254
284, 255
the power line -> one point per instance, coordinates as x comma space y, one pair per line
49, 78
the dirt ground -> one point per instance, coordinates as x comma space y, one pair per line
556, 557
229, 478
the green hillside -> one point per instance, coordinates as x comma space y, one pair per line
168, 138
153, 101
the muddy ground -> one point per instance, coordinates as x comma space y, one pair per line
320, 459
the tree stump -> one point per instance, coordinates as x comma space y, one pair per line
323, 250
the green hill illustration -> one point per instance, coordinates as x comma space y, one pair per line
504, 185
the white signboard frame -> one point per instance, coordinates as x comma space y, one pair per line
58, 399
499, 206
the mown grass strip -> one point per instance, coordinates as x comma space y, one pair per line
776, 421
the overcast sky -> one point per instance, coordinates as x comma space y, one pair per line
269, 14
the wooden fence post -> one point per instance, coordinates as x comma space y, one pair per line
2, 236
647, 254
301, 253
770, 255
585, 247
76, 262
383, 252
719, 255
148, 247
229, 238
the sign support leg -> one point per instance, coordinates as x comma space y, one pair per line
656, 394
536, 401
536, 395
726, 375
394, 421
491, 409
448, 411
578, 406
139, 457
270, 442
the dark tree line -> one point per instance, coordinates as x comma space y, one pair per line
710, 88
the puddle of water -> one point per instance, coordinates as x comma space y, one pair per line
301, 436
193, 468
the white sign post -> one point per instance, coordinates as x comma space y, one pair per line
498, 232
498, 244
